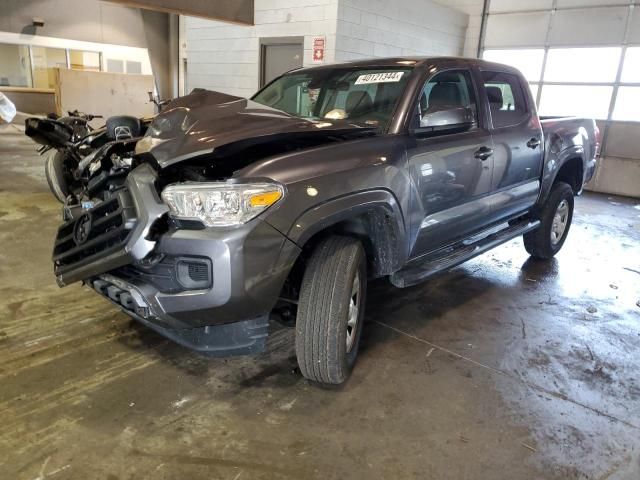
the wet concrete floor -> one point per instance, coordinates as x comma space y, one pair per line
502, 368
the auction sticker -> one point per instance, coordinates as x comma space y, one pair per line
385, 77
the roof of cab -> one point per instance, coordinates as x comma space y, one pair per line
400, 62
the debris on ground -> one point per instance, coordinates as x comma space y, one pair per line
464, 439
592, 309
548, 302
526, 445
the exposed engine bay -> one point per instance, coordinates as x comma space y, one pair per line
96, 164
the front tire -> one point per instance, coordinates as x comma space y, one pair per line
54, 171
331, 310
555, 221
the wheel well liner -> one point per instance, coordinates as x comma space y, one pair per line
571, 172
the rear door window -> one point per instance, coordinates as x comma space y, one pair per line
507, 101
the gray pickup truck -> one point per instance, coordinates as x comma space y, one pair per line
229, 212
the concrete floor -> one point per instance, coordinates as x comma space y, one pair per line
502, 368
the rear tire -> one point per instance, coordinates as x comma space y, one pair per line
54, 171
555, 221
331, 310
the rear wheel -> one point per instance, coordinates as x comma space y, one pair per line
555, 221
331, 310
54, 171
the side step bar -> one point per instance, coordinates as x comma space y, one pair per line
442, 260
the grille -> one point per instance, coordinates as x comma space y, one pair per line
97, 233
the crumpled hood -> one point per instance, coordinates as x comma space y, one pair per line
204, 120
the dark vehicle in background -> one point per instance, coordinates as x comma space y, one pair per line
232, 211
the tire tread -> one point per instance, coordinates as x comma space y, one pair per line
321, 307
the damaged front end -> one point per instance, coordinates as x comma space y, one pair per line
113, 233
123, 236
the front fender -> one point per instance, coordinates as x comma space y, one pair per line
350, 206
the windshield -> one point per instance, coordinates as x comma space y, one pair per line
366, 96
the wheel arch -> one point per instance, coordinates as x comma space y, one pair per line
372, 216
568, 167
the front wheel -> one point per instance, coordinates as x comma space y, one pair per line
54, 171
331, 310
555, 220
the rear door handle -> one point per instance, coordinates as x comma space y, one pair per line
533, 143
483, 153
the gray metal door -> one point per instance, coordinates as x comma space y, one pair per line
452, 171
280, 58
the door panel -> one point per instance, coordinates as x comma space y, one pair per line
517, 143
451, 183
451, 170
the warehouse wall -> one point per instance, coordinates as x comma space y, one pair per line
379, 28
226, 57
473, 8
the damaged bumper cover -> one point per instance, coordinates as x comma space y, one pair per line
209, 289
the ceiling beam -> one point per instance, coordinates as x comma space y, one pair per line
234, 11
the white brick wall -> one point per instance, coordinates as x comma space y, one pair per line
473, 8
225, 57
380, 28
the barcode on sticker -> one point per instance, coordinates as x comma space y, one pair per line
379, 78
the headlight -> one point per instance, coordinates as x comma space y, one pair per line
220, 204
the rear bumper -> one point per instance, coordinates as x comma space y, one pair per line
242, 271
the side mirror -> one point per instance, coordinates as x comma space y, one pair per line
445, 119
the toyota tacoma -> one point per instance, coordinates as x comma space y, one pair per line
227, 211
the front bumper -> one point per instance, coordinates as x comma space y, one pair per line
247, 267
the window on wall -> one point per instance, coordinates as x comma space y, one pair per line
45, 61
575, 100
134, 67
627, 104
631, 66
580, 81
115, 66
528, 61
582, 65
33, 66
83, 60
15, 66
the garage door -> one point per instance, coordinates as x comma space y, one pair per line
581, 57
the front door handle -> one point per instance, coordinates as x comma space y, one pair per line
533, 143
483, 153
